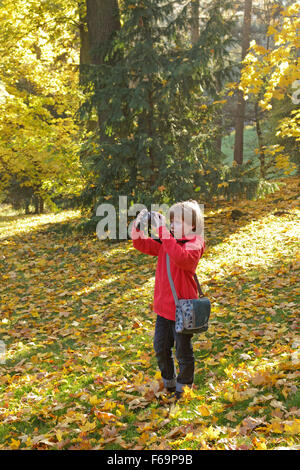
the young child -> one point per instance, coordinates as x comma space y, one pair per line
184, 253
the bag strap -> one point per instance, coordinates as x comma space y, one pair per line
171, 280
200, 291
201, 294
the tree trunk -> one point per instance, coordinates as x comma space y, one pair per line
150, 133
219, 123
195, 21
84, 58
27, 203
260, 142
241, 104
102, 21
36, 204
41, 205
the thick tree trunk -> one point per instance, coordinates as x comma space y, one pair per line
241, 104
195, 21
102, 21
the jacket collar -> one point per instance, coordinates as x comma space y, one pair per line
184, 239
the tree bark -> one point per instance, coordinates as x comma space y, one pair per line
241, 104
150, 133
102, 21
41, 205
27, 203
260, 142
195, 21
84, 58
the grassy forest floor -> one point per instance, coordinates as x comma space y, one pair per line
78, 369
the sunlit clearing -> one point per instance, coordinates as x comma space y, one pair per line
30, 223
257, 244
97, 285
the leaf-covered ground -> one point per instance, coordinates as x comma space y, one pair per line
79, 371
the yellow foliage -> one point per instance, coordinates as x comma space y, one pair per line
269, 73
203, 410
38, 97
88, 426
293, 427
14, 444
272, 71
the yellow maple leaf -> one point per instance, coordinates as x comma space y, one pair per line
211, 433
188, 393
88, 426
59, 435
14, 444
259, 444
293, 427
203, 410
109, 405
105, 417
277, 427
28, 442
94, 400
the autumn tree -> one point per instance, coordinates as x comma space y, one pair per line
271, 76
39, 86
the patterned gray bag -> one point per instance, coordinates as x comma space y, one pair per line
191, 315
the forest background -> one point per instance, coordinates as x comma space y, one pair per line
156, 100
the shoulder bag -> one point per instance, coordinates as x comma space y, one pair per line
191, 315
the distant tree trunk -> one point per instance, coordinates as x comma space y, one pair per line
241, 104
38, 204
27, 203
102, 21
260, 142
219, 122
41, 205
195, 21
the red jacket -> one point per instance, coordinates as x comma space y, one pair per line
184, 258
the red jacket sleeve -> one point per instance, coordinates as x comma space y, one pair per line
186, 256
144, 244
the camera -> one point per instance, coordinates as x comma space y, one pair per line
147, 220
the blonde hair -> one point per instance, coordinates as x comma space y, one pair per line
190, 212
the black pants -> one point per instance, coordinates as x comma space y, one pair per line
164, 338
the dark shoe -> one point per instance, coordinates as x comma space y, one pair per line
175, 395
171, 389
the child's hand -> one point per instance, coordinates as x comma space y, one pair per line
140, 216
159, 220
